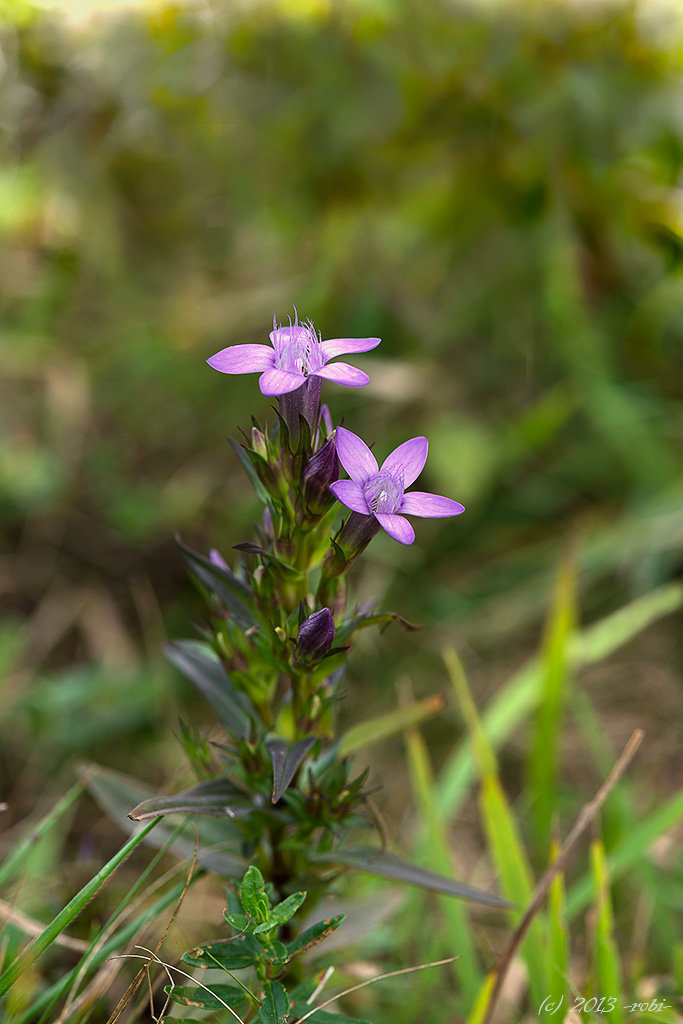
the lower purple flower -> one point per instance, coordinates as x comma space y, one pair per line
379, 491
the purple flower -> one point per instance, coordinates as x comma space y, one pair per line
297, 352
380, 491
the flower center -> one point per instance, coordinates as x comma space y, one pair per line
297, 349
383, 492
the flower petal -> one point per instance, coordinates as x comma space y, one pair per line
243, 359
280, 382
354, 455
408, 459
432, 506
396, 526
342, 373
351, 495
343, 346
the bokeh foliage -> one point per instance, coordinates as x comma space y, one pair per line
494, 190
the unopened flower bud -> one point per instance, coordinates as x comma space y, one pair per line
258, 442
316, 636
321, 470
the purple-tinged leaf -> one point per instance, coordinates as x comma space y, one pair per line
218, 798
235, 595
286, 758
116, 793
234, 709
386, 865
198, 663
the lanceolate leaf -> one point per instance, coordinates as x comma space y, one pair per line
214, 997
281, 913
386, 865
217, 798
275, 1006
398, 720
253, 895
286, 758
235, 595
232, 954
213, 682
316, 933
346, 629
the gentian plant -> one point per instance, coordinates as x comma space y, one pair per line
290, 807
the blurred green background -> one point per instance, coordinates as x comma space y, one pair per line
494, 189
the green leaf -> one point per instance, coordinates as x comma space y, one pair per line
233, 955
198, 664
379, 728
347, 629
386, 865
246, 463
253, 895
316, 933
276, 953
214, 997
286, 758
218, 798
234, 594
281, 913
275, 1006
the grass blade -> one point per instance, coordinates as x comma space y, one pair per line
16, 861
552, 678
441, 860
64, 918
503, 840
607, 969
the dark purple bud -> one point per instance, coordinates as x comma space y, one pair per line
316, 636
321, 470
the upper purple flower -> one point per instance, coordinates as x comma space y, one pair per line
298, 352
380, 491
